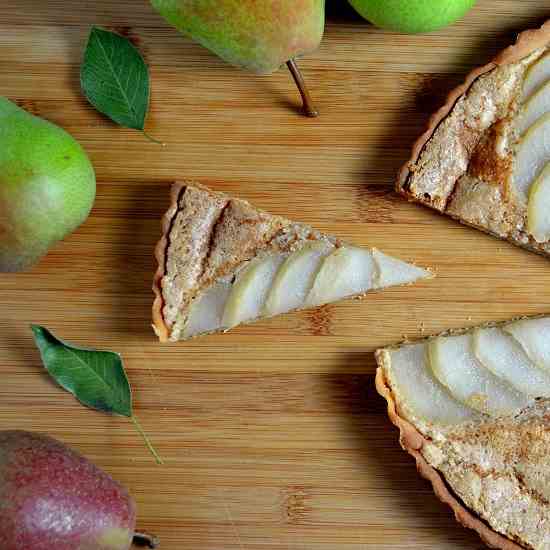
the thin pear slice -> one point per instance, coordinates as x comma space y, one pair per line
504, 357
392, 272
532, 155
419, 395
538, 210
534, 337
348, 271
295, 278
206, 312
536, 76
250, 290
454, 364
537, 106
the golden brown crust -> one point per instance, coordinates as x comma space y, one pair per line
412, 441
527, 42
159, 326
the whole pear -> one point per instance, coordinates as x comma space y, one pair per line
412, 16
53, 498
47, 186
259, 36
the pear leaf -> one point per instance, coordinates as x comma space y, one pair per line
96, 378
115, 78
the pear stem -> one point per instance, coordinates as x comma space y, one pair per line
147, 442
144, 539
309, 107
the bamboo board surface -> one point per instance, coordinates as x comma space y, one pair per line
273, 435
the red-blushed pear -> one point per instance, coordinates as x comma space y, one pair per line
53, 498
257, 36
47, 186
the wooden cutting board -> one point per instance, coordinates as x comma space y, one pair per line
273, 435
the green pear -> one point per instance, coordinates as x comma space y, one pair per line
47, 186
257, 36
51, 497
412, 16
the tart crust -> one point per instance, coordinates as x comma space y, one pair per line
159, 326
506, 222
414, 442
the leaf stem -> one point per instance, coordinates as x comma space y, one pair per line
145, 539
309, 108
147, 442
152, 139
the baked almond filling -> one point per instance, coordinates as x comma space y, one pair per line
479, 404
486, 158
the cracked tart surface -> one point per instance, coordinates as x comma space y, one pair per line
484, 158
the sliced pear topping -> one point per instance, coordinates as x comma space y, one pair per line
537, 106
533, 154
534, 337
536, 76
392, 271
250, 290
454, 364
504, 357
295, 278
538, 211
206, 312
348, 271
419, 395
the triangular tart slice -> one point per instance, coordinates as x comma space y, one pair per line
485, 157
473, 409
223, 262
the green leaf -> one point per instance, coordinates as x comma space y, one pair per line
115, 78
96, 378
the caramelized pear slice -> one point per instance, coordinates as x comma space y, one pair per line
536, 76
348, 271
392, 272
538, 211
534, 337
454, 364
504, 357
533, 153
206, 312
295, 278
537, 106
420, 397
250, 290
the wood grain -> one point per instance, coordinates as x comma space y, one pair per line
273, 435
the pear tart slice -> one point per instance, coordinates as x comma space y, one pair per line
473, 408
485, 157
223, 262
